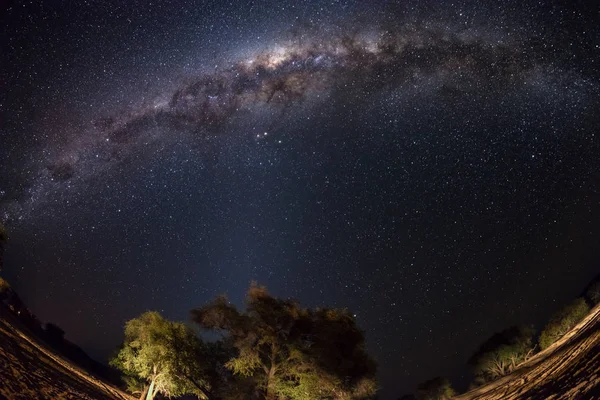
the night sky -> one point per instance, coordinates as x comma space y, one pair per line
431, 166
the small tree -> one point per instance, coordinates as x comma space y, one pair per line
501, 353
593, 293
563, 321
435, 389
160, 356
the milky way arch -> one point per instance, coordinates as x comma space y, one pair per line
301, 70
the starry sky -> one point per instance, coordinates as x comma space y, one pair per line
430, 165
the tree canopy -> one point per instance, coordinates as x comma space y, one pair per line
563, 321
435, 389
593, 293
290, 352
501, 353
160, 356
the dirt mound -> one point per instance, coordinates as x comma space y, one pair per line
569, 369
29, 370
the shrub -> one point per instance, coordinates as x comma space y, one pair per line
563, 321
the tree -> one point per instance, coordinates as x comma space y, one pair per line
291, 352
435, 389
160, 356
563, 321
501, 353
223, 383
593, 293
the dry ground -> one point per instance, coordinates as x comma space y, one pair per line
29, 370
569, 369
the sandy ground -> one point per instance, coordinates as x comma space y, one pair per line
29, 370
569, 369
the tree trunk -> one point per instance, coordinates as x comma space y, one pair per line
151, 392
144, 392
270, 395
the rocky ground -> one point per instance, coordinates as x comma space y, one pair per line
29, 370
569, 369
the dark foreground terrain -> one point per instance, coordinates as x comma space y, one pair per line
29, 370
569, 369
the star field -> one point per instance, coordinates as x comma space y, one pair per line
431, 166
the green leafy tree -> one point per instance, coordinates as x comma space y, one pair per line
501, 353
331, 338
160, 356
290, 352
435, 389
563, 321
223, 383
593, 293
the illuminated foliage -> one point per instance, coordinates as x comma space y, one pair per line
501, 353
563, 321
160, 356
290, 352
435, 389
